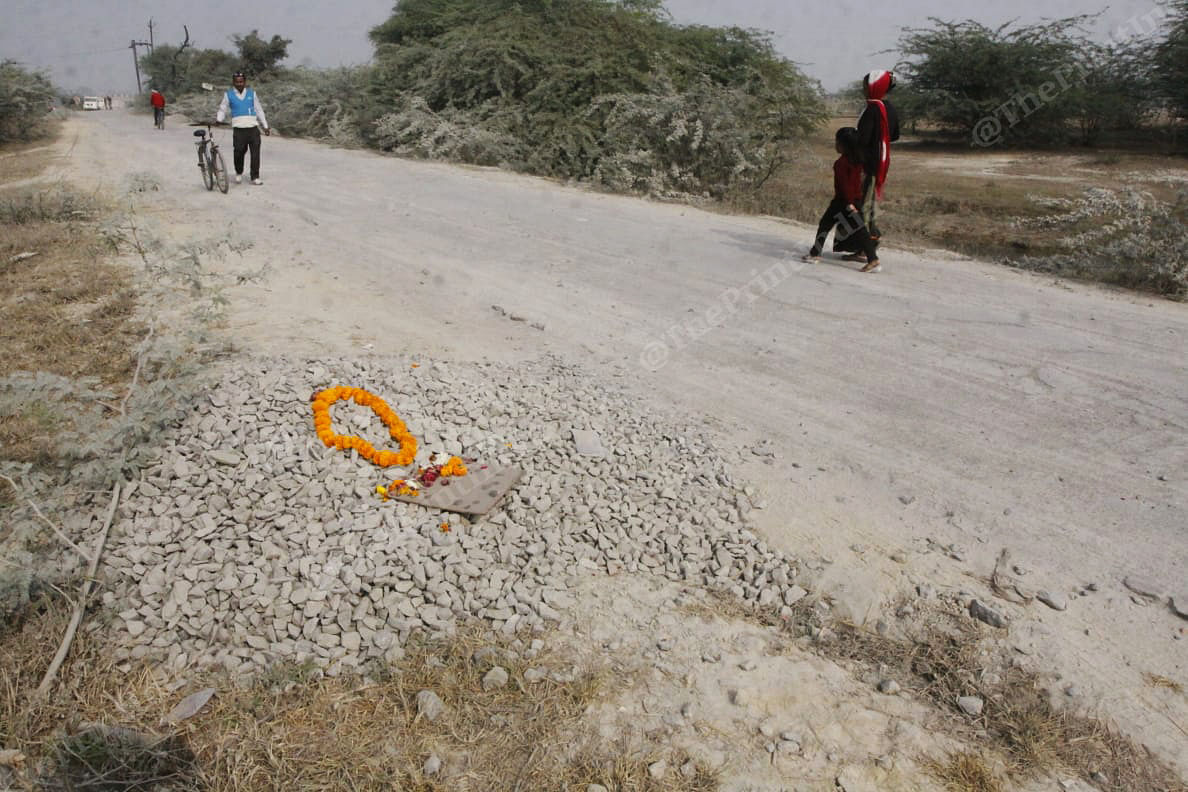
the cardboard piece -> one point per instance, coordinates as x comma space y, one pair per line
475, 493
588, 443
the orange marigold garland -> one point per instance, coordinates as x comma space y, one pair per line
321, 411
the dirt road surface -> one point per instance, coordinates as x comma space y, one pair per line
939, 411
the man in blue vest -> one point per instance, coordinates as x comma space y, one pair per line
247, 119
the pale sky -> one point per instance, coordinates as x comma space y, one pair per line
84, 44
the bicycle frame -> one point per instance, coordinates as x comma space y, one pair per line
210, 161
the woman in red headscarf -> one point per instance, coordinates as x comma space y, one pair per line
878, 126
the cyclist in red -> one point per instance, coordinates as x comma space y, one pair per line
158, 100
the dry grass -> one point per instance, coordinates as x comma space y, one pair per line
66, 310
1157, 681
940, 196
293, 730
23, 160
965, 772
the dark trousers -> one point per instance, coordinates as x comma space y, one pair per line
850, 235
244, 139
868, 206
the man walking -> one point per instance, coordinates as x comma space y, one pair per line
158, 101
247, 119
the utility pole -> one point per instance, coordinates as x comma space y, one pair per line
150, 34
136, 61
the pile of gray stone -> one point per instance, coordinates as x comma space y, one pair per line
250, 542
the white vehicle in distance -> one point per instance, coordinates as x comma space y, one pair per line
92, 103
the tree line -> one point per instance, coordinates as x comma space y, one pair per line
1047, 83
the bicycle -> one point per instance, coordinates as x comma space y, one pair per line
159, 117
210, 160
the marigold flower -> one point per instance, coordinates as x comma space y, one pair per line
322, 423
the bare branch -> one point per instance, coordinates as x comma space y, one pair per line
81, 605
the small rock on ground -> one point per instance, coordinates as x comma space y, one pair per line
971, 705
984, 613
429, 705
495, 678
1142, 586
1055, 601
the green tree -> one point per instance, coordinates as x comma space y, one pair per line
179, 70
961, 73
258, 58
25, 100
1171, 59
1118, 92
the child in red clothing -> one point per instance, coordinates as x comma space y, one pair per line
851, 234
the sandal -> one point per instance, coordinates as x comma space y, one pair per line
872, 266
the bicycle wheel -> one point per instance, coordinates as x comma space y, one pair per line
207, 169
220, 171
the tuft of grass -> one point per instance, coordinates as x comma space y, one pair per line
118, 760
965, 772
1157, 681
57, 205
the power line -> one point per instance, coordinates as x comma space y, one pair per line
81, 53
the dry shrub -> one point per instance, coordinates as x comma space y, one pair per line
1128, 238
114, 759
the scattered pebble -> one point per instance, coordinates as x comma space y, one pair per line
432, 766
889, 686
429, 705
1055, 601
985, 613
1142, 586
971, 705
